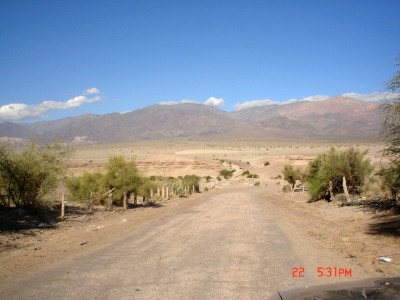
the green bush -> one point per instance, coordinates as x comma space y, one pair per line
123, 176
245, 173
81, 188
257, 183
266, 163
30, 176
390, 177
291, 174
332, 166
226, 173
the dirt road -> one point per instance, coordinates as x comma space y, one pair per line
230, 245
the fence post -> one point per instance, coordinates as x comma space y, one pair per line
167, 192
124, 201
346, 193
63, 205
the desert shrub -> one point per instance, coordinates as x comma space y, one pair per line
278, 176
257, 183
333, 166
219, 178
30, 177
245, 173
208, 178
81, 188
390, 177
226, 173
123, 176
192, 180
286, 188
155, 200
266, 163
291, 174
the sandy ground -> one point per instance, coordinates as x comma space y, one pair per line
320, 234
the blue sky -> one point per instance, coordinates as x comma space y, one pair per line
64, 58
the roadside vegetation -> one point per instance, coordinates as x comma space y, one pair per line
350, 172
123, 180
28, 178
226, 174
390, 175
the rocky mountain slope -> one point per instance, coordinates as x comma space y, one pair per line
335, 118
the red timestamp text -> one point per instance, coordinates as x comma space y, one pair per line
334, 272
299, 272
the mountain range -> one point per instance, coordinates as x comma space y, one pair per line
337, 118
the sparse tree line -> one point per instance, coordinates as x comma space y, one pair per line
29, 178
332, 172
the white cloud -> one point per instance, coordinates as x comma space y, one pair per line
253, 103
373, 97
211, 101
176, 102
189, 101
215, 102
168, 103
315, 98
20, 111
91, 91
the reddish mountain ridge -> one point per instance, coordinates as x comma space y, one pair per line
337, 118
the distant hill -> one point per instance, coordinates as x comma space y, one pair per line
335, 118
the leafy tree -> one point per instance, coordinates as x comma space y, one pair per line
81, 188
391, 179
391, 125
122, 175
332, 166
391, 131
291, 174
30, 176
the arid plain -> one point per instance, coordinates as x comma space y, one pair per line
320, 233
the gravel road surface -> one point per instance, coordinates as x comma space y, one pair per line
228, 246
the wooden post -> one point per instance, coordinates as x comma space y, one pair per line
162, 192
331, 195
135, 199
158, 191
346, 193
167, 192
193, 190
151, 193
62, 205
124, 201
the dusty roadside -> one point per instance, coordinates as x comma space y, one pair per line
24, 252
324, 234
359, 235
